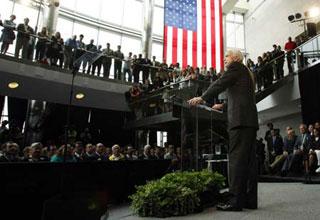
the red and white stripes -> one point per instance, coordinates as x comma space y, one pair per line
201, 48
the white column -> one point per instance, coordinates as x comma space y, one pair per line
146, 41
51, 12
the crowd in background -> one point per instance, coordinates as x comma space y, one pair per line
147, 74
90, 58
295, 153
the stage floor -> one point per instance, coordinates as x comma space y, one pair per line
276, 201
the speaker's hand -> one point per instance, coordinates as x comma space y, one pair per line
195, 101
218, 107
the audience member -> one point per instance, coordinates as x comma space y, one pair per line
170, 155
23, 38
58, 157
130, 153
289, 48
127, 67
11, 153
118, 57
8, 35
41, 45
101, 152
90, 153
116, 155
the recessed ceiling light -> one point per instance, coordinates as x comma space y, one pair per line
13, 85
80, 95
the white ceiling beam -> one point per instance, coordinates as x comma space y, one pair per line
228, 6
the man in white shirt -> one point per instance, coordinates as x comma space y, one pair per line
127, 67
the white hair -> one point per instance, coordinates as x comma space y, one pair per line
236, 55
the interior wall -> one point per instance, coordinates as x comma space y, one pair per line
266, 23
293, 120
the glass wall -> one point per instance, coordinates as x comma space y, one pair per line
235, 31
118, 22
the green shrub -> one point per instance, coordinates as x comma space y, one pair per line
174, 194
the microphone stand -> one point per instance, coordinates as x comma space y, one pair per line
75, 69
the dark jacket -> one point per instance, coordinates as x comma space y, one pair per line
275, 145
237, 80
303, 143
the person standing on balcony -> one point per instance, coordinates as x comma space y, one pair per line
127, 67
107, 60
23, 38
8, 35
289, 48
118, 57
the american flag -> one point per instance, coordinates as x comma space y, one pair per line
193, 33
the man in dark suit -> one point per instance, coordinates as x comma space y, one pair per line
243, 125
23, 38
275, 149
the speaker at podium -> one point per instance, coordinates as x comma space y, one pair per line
311, 29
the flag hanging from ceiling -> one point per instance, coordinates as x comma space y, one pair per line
193, 33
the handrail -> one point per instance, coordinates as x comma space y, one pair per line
97, 53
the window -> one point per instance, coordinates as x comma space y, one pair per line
130, 44
91, 8
5, 9
109, 37
112, 12
70, 4
162, 137
157, 50
88, 32
235, 31
158, 19
133, 15
4, 115
65, 27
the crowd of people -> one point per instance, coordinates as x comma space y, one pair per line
92, 59
80, 152
269, 66
292, 154
95, 60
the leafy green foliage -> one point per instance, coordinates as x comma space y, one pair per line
175, 193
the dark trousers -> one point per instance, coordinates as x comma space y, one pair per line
243, 166
289, 61
145, 74
280, 73
136, 73
40, 50
106, 62
117, 70
23, 44
96, 65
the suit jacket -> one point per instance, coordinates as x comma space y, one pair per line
275, 145
303, 142
238, 82
22, 33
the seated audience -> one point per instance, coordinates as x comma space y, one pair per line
11, 153
170, 155
130, 153
116, 155
101, 152
289, 143
35, 153
147, 155
314, 154
78, 151
158, 154
90, 153
58, 157
275, 147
